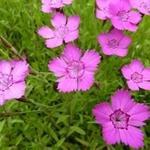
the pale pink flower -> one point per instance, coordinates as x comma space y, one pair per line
63, 31
122, 17
74, 71
12, 79
121, 119
137, 76
114, 43
102, 10
49, 5
142, 5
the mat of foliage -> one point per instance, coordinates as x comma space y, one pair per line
53, 120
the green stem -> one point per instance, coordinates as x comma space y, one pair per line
9, 114
30, 101
9, 46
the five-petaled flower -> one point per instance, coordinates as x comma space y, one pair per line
75, 72
49, 5
114, 43
121, 119
137, 76
142, 5
122, 17
12, 79
63, 31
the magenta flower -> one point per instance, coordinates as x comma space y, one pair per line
114, 43
137, 76
142, 5
49, 5
102, 10
122, 17
63, 31
121, 119
12, 76
75, 72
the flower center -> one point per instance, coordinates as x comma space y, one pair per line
61, 32
136, 77
119, 119
145, 5
113, 43
5, 81
75, 69
123, 15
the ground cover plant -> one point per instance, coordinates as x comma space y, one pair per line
46, 107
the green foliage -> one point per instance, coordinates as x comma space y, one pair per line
55, 121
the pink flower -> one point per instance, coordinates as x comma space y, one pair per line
122, 17
142, 5
121, 119
74, 71
137, 76
102, 11
114, 43
63, 30
12, 76
49, 5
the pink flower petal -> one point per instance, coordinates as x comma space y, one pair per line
2, 101
130, 26
100, 14
122, 100
116, 34
20, 71
17, 90
136, 123
135, 17
73, 23
121, 52
67, 2
132, 137
59, 4
136, 66
107, 51
58, 66
86, 81
5, 67
126, 72
125, 5
144, 85
54, 42
133, 86
91, 59
139, 113
125, 42
71, 36
113, 7
117, 23
111, 134
46, 32
146, 74
58, 20
46, 8
71, 53
103, 39
102, 112
45, 1
67, 84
